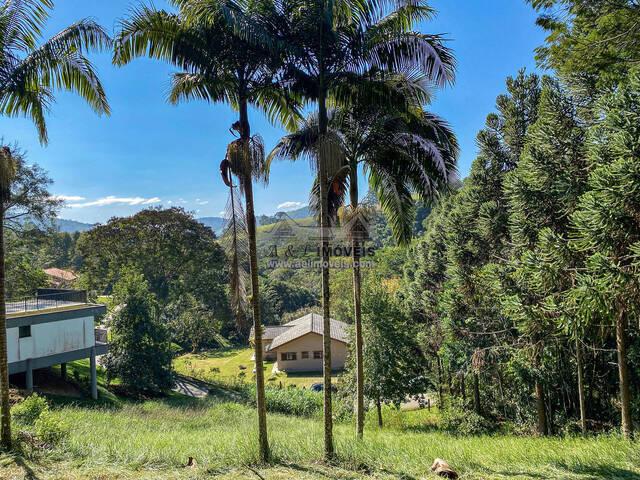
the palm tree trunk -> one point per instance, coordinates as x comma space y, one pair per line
440, 400
263, 439
324, 247
476, 393
625, 396
357, 310
543, 428
583, 417
5, 414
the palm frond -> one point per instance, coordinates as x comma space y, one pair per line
212, 88
246, 159
28, 100
396, 202
410, 50
337, 188
159, 35
235, 243
21, 22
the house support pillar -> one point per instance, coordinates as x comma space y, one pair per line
94, 377
29, 376
63, 371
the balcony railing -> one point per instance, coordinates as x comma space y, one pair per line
46, 299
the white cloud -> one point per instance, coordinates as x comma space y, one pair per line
68, 198
286, 206
223, 213
201, 202
169, 202
113, 200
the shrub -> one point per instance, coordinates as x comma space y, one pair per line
50, 429
459, 421
29, 410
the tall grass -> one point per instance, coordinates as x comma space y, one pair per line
221, 435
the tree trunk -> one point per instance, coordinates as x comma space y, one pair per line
463, 388
440, 403
357, 311
263, 440
500, 384
476, 393
379, 408
324, 247
625, 396
543, 427
5, 413
583, 416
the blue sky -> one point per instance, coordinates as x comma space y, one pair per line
150, 153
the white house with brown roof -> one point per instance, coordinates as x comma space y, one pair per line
297, 346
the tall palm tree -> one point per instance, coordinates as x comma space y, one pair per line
8, 169
29, 75
329, 48
219, 66
402, 151
334, 50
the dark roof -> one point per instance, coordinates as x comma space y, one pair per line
271, 331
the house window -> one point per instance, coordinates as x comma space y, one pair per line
24, 332
288, 356
305, 355
317, 355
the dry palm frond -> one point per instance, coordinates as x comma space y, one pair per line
336, 193
246, 159
235, 244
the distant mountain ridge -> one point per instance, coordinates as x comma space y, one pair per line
216, 223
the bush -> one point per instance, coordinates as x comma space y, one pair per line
51, 430
460, 421
29, 410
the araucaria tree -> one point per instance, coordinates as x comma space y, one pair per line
608, 226
29, 76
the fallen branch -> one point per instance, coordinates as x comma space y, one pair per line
256, 472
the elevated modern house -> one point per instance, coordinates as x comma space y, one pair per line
54, 328
297, 346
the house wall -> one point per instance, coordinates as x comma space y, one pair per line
51, 338
265, 355
309, 343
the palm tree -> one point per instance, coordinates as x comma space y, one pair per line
218, 66
335, 51
402, 152
8, 169
29, 75
330, 48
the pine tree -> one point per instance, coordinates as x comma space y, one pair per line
608, 225
542, 193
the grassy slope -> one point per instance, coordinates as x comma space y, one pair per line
200, 365
152, 439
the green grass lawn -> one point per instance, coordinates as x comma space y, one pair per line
153, 439
225, 365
